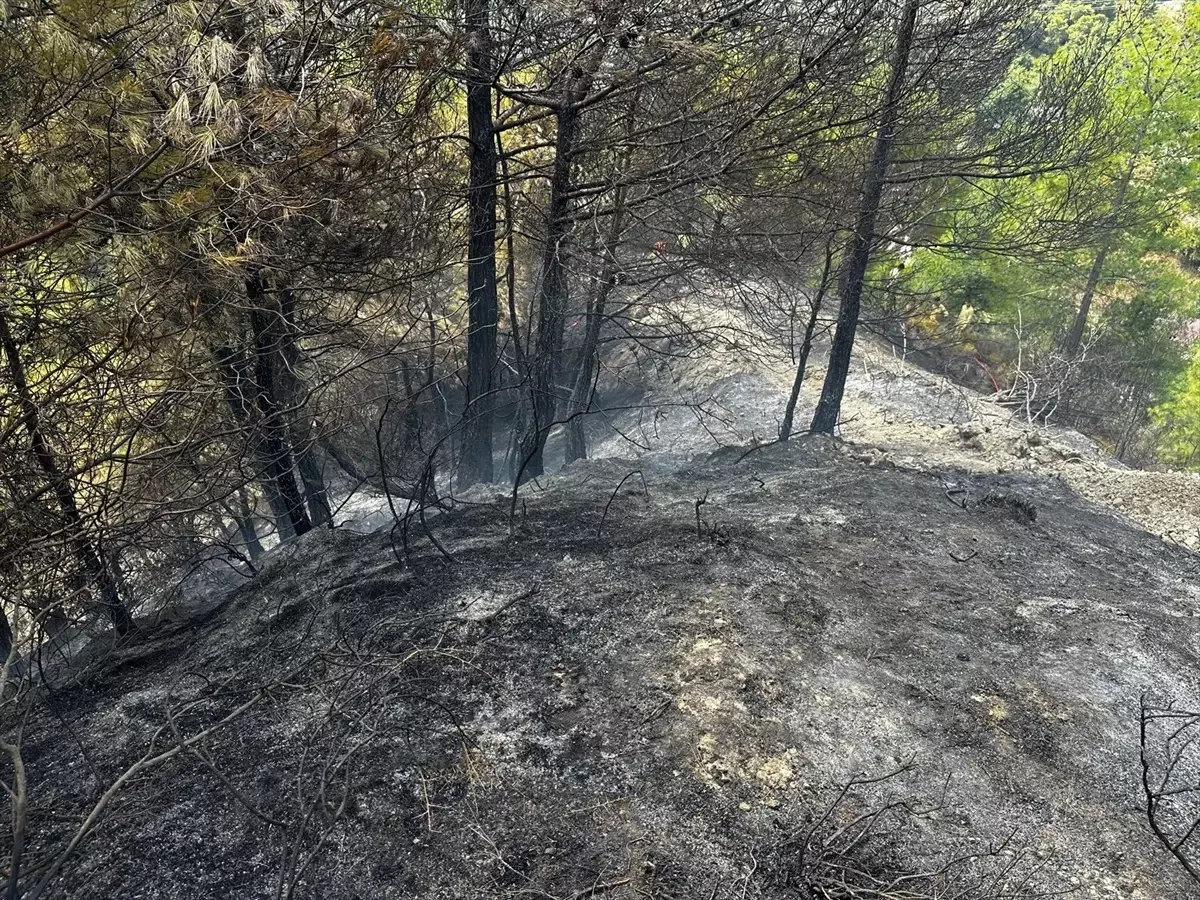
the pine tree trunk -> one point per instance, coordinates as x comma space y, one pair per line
553, 293
789, 412
294, 394
6, 643
1079, 326
267, 327
552, 297
246, 529
581, 390
99, 571
233, 368
1075, 337
829, 408
585, 374
478, 417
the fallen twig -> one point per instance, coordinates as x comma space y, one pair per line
617, 490
951, 493
600, 888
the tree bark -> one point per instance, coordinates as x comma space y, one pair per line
583, 383
267, 327
300, 421
6, 645
553, 293
349, 466
854, 274
789, 412
585, 373
99, 570
552, 297
312, 479
482, 310
581, 389
235, 373
246, 529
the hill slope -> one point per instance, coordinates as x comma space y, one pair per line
624, 691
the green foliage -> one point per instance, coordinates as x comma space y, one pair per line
1019, 254
1179, 417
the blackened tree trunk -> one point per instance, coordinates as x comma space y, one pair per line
98, 570
246, 528
267, 327
476, 459
789, 412
312, 478
583, 384
553, 295
862, 241
301, 426
6, 642
585, 373
347, 464
239, 394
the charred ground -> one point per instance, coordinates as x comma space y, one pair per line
642, 692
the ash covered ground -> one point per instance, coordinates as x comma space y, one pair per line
648, 676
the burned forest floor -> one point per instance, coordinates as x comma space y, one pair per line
648, 676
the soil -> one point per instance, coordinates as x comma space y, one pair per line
649, 678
